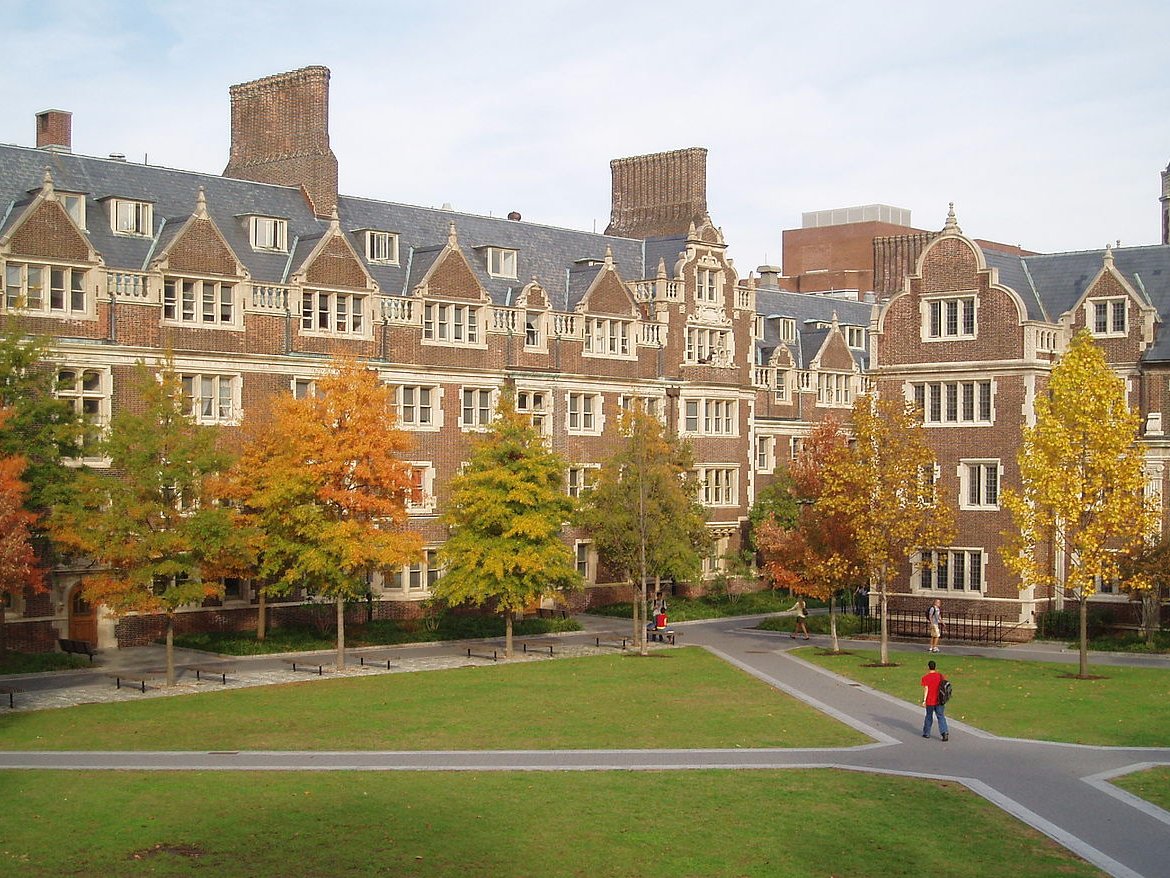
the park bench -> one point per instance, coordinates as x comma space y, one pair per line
211, 671
493, 655
138, 679
537, 646
662, 635
10, 691
77, 647
616, 642
552, 613
298, 664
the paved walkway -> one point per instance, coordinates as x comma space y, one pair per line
1060, 789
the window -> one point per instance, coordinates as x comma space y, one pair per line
477, 407
434, 569
382, 247
1109, 316
534, 404
584, 554
198, 301
711, 417
796, 445
578, 480
979, 484
333, 312
835, 389
720, 485
451, 324
707, 285
131, 217
855, 337
951, 318
422, 484
304, 388
951, 569
788, 329
269, 233
532, 329
608, 335
765, 453
781, 384
705, 346
88, 393
651, 405
583, 409
74, 206
501, 263
52, 289
954, 402
210, 399
414, 405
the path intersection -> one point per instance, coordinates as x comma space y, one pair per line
1062, 790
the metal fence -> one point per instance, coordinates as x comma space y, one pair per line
974, 627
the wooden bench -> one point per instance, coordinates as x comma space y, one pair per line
10, 691
211, 671
307, 665
132, 678
552, 613
537, 646
77, 647
662, 635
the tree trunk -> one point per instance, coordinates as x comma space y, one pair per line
508, 634
833, 623
1084, 671
3, 630
884, 604
170, 648
262, 615
340, 633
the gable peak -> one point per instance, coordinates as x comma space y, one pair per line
952, 224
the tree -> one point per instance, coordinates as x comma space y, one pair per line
147, 524
777, 502
322, 489
1081, 493
1147, 567
643, 510
507, 510
815, 555
18, 563
883, 485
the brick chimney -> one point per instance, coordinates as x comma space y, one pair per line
659, 194
280, 134
55, 130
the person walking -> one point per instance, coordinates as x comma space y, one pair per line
934, 622
801, 615
931, 680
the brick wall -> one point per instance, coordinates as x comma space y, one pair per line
658, 194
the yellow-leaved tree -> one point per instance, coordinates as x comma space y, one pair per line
884, 488
1081, 501
323, 486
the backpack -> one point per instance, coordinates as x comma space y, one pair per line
944, 691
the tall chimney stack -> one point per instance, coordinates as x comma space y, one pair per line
280, 135
659, 194
55, 130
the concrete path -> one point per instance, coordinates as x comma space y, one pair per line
1060, 789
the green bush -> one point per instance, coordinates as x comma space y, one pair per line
715, 606
847, 626
36, 662
1066, 624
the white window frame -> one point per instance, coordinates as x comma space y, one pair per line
74, 205
381, 247
964, 571
583, 415
765, 454
452, 323
536, 405
585, 559
75, 298
482, 408
208, 401
200, 301
91, 401
835, 389
501, 262
720, 485
788, 329
608, 337
335, 313
577, 479
419, 407
855, 337
131, 218
426, 503
966, 403
708, 345
709, 416
950, 318
268, 233
1107, 310
708, 284
652, 405
302, 387
980, 480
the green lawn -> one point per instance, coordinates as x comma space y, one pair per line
1028, 699
708, 824
673, 698
1153, 785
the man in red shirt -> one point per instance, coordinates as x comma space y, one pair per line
931, 680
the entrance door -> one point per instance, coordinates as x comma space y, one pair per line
82, 618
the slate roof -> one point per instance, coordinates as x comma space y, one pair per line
807, 310
543, 252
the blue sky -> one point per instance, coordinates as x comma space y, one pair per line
1045, 122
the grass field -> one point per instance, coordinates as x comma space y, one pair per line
1153, 785
674, 698
791, 824
1038, 700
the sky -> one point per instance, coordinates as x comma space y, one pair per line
1046, 123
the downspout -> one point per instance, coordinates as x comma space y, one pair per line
288, 312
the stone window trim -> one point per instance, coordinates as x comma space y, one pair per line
952, 317
89, 391
1107, 317
765, 457
709, 345
417, 579
302, 387
202, 301
583, 413
585, 559
51, 289
969, 402
610, 337
455, 324
835, 389
951, 569
422, 500
212, 397
131, 218
536, 405
577, 479
720, 484
419, 407
980, 480
709, 416
477, 406
336, 313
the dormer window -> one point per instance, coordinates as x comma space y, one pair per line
787, 329
1108, 316
131, 217
74, 206
269, 233
382, 247
855, 337
501, 262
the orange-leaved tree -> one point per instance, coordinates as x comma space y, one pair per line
145, 524
818, 555
884, 487
18, 563
322, 484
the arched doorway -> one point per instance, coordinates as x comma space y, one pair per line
82, 618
